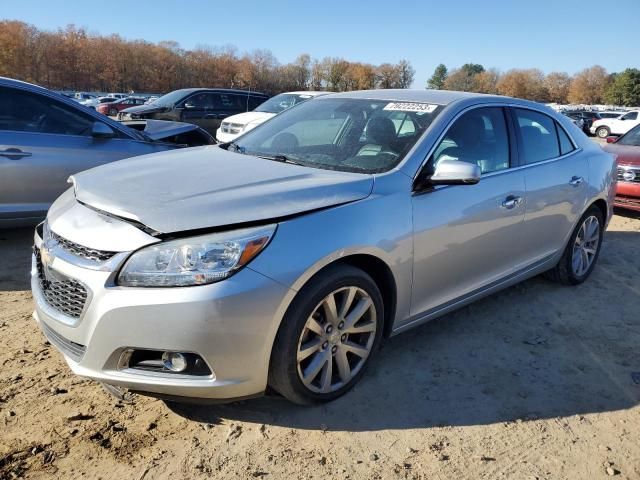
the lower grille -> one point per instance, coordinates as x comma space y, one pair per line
67, 296
73, 350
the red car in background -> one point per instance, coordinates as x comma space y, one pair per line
112, 109
627, 149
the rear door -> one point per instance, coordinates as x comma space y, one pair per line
469, 236
42, 142
556, 178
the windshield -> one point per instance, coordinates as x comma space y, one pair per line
345, 134
281, 102
170, 98
632, 137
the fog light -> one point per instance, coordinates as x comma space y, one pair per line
174, 361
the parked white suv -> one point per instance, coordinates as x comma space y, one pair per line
234, 126
615, 126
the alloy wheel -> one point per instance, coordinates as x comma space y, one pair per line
585, 246
336, 340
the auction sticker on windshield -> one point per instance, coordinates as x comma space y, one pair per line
410, 107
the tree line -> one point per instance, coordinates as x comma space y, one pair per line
593, 85
74, 59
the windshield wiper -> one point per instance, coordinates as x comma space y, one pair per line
281, 158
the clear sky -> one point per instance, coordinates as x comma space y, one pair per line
564, 35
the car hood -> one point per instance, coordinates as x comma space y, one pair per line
142, 109
627, 154
208, 187
158, 130
249, 117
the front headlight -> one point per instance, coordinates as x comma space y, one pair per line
195, 260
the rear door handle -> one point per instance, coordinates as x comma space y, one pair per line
575, 181
210, 115
14, 153
511, 201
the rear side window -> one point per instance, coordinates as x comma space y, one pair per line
565, 142
538, 135
255, 102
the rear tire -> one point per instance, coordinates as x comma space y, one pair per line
581, 253
603, 132
327, 337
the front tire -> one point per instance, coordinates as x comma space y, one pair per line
582, 251
113, 112
603, 132
327, 337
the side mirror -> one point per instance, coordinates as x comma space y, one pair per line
612, 139
455, 172
189, 105
102, 130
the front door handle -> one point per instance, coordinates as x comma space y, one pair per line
14, 153
511, 201
575, 181
209, 116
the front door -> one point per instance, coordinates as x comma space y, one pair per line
203, 109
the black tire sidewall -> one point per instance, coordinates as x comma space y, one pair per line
283, 373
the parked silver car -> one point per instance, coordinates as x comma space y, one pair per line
285, 258
45, 137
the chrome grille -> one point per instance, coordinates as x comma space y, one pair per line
67, 296
81, 250
624, 169
73, 350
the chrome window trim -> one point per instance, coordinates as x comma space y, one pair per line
514, 168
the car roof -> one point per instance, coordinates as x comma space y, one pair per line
303, 92
219, 90
440, 97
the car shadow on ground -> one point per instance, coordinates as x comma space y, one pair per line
536, 350
15, 258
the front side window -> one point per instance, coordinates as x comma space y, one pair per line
28, 112
538, 135
231, 102
345, 134
203, 101
479, 136
630, 116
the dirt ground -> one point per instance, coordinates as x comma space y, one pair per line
537, 382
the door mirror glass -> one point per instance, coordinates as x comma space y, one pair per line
102, 130
455, 172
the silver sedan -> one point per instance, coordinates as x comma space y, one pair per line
45, 137
283, 259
